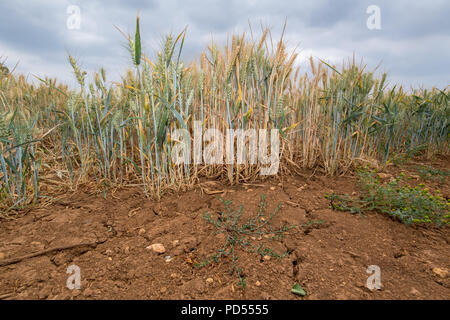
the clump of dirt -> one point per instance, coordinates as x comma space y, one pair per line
327, 252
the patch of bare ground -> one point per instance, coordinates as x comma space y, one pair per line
328, 251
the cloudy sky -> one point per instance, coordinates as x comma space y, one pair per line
413, 44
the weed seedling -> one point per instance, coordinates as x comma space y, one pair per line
244, 235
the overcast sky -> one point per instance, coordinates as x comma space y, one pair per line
413, 44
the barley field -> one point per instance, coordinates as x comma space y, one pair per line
117, 134
88, 176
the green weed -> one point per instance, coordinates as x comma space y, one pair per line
411, 205
430, 173
249, 235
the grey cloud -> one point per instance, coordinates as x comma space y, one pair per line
412, 44
30, 30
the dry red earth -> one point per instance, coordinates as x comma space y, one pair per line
329, 251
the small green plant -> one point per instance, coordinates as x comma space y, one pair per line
244, 235
411, 205
343, 203
430, 173
298, 290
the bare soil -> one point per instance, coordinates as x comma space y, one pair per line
328, 251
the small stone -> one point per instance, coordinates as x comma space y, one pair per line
163, 289
175, 243
174, 275
168, 258
249, 190
108, 252
272, 188
257, 283
267, 258
209, 280
443, 273
109, 258
141, 231
414, 292
157, 247
2, 256
127, 250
